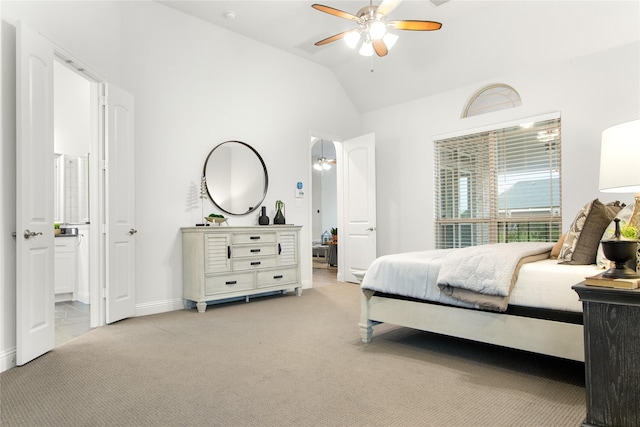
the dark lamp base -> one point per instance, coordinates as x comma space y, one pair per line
620, 251
621, 273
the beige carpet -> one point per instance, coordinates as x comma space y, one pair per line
286, 361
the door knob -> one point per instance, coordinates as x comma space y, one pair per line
371, 229
28, 234
133, 231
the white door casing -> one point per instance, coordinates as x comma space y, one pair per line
358, 241
119, 179
35, 314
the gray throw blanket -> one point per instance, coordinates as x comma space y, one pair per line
484, 275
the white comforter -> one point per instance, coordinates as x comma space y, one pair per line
410, 274
488, 269
543, 284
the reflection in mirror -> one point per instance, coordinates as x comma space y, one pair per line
236, 177
71, 205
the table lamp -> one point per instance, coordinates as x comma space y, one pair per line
620, 173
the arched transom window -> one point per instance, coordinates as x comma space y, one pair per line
492, 98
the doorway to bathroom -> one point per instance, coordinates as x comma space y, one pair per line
324, 207
74, 132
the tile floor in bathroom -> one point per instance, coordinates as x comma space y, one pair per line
72, 320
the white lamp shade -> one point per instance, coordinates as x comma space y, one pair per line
366, 49
352, 38
390, 40
620, 158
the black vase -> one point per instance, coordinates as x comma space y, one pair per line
279, 218
263, 219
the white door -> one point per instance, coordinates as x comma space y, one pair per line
121, 232
358, 241
35, 315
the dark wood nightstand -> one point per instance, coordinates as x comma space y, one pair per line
612, 355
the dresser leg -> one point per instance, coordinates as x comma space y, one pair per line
299, 292
202, 306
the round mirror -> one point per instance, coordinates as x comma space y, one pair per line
236, 177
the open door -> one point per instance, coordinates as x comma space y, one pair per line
35, 307
119, 182
358, 241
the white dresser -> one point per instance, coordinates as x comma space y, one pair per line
222, 262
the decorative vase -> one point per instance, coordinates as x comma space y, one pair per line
279, 218
263, 219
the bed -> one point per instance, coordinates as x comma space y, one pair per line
542, 314
530, 305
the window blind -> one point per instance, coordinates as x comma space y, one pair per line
499, 185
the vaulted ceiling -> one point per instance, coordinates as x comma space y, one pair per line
479, 40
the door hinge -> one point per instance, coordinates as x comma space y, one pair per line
103, 228
103, 293
104, 165
103, 100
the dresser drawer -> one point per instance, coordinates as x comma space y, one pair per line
253, 250
242, 238
228, 283
253, 263
277, 277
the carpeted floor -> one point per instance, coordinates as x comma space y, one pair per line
286, 361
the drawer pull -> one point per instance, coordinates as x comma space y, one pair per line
231, 282
255, 263
229, 252
254, 237
279, 249
279, 276
255, 250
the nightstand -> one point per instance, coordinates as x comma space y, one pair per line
612, 355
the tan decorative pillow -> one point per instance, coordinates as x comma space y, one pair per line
583, 238
555, 251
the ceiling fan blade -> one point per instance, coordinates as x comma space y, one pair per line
332, 38
387, 6
334, 12
415, 25
380, 47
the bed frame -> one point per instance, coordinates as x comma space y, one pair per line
550, 337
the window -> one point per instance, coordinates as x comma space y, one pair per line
492, 98
499, 185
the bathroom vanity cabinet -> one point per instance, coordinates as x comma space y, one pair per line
226, 262
66, 267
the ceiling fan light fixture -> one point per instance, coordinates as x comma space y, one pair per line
366, 49
377, 30
352, 38
390, 40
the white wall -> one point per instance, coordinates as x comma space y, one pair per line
72, 118
8, 194
195, 85
592, 93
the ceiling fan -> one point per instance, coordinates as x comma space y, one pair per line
323, 163
371, 33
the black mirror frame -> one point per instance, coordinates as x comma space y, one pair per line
264, 169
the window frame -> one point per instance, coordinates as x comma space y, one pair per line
495, 223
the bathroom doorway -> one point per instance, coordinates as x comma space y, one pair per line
324, 207
74, 134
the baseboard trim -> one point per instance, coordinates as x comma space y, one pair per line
8, 359
159, 307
